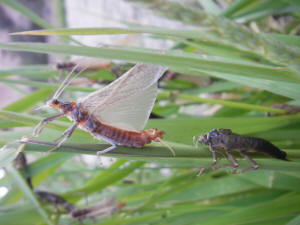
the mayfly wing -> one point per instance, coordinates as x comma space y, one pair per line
132, 113
126, 102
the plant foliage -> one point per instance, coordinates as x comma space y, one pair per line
255, 69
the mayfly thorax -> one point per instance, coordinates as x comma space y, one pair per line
229, 141
116, 113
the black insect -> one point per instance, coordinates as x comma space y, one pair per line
65, 66
20, 163
289, 109
55, 200
105, 208
229, 141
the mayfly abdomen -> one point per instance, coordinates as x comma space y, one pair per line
114, 134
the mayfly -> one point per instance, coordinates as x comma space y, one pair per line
116, 113
86, 65
288, 109
105, 208
229, 141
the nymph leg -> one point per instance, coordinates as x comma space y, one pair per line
251, 161
213, 152
232, 159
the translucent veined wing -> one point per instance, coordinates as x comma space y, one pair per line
127, 102
132, 113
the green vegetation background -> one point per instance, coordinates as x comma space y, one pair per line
260, 68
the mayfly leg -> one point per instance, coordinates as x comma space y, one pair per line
214, 155
113, 146
65, 135
42, 124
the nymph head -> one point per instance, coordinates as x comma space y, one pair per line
204, 139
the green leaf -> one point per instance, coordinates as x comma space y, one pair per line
9, 152
253, 75
28, 192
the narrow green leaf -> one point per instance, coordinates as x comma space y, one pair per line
222, 30
294, 221
9, 152
236, 6
18, 178
239, 105
189, 63
26, 12
29, 101
104, 178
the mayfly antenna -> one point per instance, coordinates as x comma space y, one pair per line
63, 84
70, 80
67, 80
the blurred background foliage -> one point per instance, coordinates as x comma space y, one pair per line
227, 68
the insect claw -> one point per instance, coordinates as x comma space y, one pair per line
54, 148
60, 137
201, 171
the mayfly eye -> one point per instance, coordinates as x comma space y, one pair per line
55, 102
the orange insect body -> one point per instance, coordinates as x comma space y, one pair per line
68, 66
103, 131
116, 113
92, 66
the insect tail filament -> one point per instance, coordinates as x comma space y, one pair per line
168, 146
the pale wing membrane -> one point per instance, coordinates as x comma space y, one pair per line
133, 83
132, 113
135, 80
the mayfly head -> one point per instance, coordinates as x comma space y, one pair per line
54, 103
64, 107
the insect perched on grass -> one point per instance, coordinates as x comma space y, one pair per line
229, 141
55, 200
105, 208
289, 109
116, 113
84, 65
